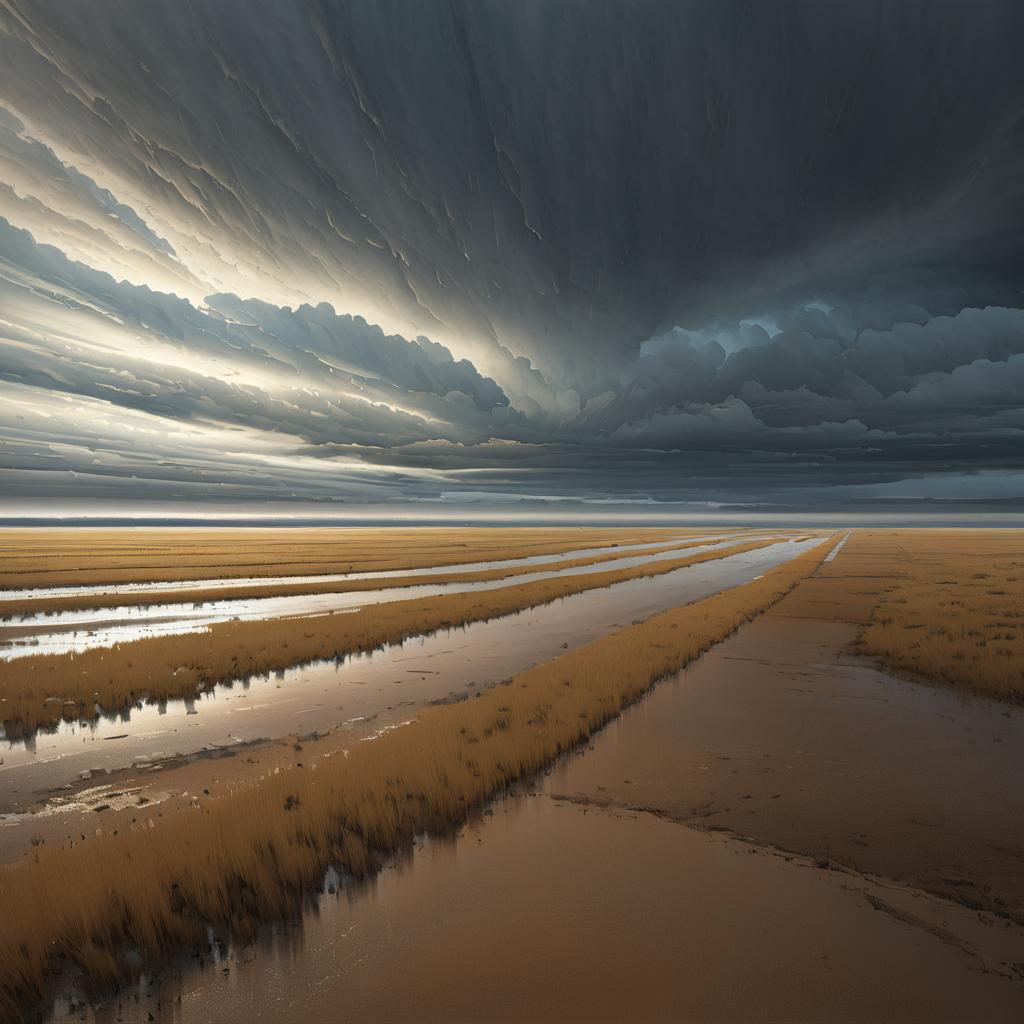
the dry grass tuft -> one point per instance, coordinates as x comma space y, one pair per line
954, 610
41, 690
117, 904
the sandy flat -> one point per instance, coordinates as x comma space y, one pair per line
780, 736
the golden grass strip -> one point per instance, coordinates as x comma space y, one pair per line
251, 855
313, 586
56, 557
953, 611
39, 690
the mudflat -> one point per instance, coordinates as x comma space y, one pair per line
783, 737
548, 911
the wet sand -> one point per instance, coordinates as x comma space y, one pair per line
780, 736
547, 911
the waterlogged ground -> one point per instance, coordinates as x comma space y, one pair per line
136, 590
548, 911
75, 631
358, 696
780, 831
868, 825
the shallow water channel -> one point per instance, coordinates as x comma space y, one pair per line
367, 692
72, 632
132, 590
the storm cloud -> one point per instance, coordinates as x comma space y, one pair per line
491, 251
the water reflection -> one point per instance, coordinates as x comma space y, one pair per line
65, 632
133, 589
367, 692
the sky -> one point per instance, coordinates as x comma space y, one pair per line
500, 256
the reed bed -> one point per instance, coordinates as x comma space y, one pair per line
116, 905
40, 690
312, 586
954, 610
64, 557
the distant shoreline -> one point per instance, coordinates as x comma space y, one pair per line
919, 520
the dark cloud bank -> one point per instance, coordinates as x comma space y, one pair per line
511, 255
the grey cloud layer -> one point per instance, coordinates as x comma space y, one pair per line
252, 400
708, 250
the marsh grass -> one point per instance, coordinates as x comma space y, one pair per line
953, 611
313, 586
41, 690
116, 905
941, 605
61, 557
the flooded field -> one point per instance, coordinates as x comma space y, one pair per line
363, 693
593, 789
66, 632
